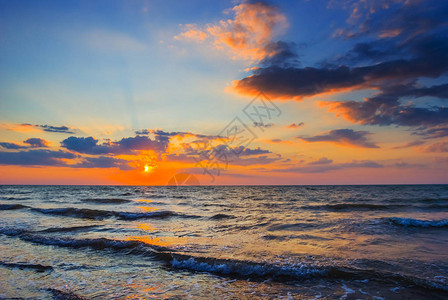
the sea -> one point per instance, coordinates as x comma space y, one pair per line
224, 242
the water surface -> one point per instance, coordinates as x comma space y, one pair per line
233, 242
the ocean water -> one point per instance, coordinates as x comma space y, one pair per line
232, 242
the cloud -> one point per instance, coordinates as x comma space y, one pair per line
36, 143
224, 155
410, 144
385, 108
12, 146
296, 83
89, 145
160, 134
431, 133
191, 32
248, 35
437, 147
103, 162
343, 137
386, 19
321, 161
394, 45
138, 142
35, 158
25, 127
296, 125
330, 167
31, 142
258, 160
58, 129
267, 125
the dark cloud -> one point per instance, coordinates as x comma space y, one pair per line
386, 19
103, 162
343, 137
49, 128
431, 133
296, 125
59, 129
281, 54
243, 151
160, 144
399, 43
258, 124
166, 134
330, 167
224, 155
276, 141
142, 132
89, 145
290, 82
321, 161
12, 146
35, 158
36, 143
386, 109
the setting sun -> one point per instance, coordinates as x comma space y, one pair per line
148, 168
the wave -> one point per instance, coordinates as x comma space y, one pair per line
221, 216
246, 269
294, 227
353, 206
84, 213
96, 214
36, 267
106, 200
147, 215
129, 246
409, 222
61, 295
68, 229
290, 272
12, 206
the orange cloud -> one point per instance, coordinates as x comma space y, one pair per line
247, 35
192, 33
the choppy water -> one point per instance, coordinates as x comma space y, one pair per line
291, 242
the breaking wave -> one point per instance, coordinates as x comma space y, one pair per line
409, 222
282, 272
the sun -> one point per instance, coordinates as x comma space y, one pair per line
148, 168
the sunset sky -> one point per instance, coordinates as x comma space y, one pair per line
230, 92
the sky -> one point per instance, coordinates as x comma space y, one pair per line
224, 92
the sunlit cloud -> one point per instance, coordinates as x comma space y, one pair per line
246, 35
346, 137
37, 143
441, 147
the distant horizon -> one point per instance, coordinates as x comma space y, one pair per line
228, 185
